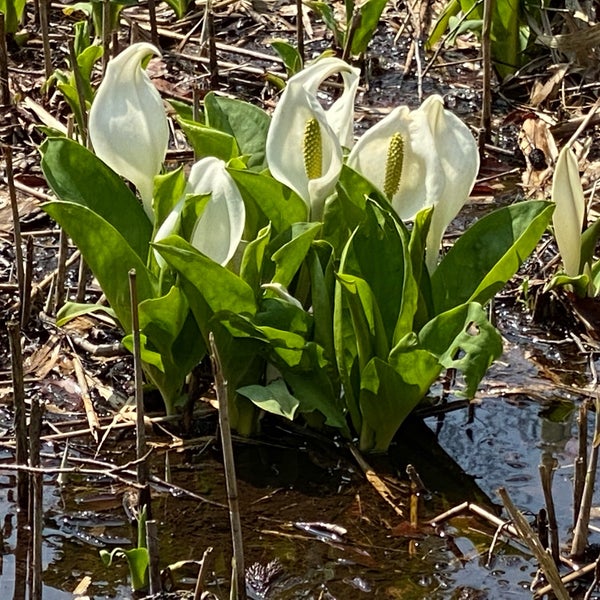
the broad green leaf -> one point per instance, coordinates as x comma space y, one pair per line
369, 15
13, 13
580, 284
386, 399
221, 289
463, 339
72, 310
589, 239
322, 293
506, 36
247, 123
488, 254
289, 55
273, 398
325, 11
207, 141
289, 256
169, 356
369, 331
148, 354
168, 190
315, 392
76, 175
107, 253
416, 292
252, 260
376, 253
272, 200
441, 25
161, 319
86, 60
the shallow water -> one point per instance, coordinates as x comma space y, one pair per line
515, 426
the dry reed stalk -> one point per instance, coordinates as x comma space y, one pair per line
17, 238
82, 276
486, 56
238, 583
60, 292
581, 530
140, 431
153, 23
27, 279
4, 86
300, 28
152, 544
106, 34
199, 589
581, 460
546, 476
529, 537
45, 27
37, 487
20, 425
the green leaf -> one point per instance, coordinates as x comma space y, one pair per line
251, 268
221, 289
416, 293
291, 255
72, 310
325, 11
315, 392
322, 292
441, 25
387, 398
580, 284
168, 190
207, 141
376, 253
107, 253
371, 338
270, 200
273, 398
76, 175
369, 15
138, 560
86, 60
488, 254
13, 13
247, 123
346, 211
463, 339
589, 239
506, 34
289, 55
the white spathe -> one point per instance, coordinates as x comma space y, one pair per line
569, 212
127, 124
218, 231
285, 140
439, 165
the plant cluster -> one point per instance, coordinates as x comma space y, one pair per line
292, 246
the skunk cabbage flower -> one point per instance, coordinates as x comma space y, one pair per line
304, 142
418, 159
567, 194
128, 125
219, 230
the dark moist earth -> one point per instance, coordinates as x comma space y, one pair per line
313, 526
